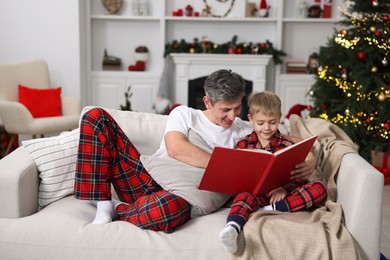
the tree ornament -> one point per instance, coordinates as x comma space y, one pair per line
343, 32
372, 28
374, 3
374, 69
344, 76
347, 111
384, 62
381, 97
368, 120
378, 34
361, 55
386, 18
386, 125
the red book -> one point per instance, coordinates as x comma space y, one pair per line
255, 171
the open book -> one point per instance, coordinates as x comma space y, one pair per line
252, 170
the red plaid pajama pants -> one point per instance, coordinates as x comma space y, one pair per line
106, 156
304, 197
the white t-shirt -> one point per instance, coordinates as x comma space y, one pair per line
183, 118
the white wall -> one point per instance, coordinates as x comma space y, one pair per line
47, 29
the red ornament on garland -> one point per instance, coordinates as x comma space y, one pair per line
263, 45
386, 125
378, 34
368, 120
385, 18
361, 55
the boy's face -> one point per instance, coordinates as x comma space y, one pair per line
223, 113
265, 126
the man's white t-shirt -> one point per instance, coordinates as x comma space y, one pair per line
183, 118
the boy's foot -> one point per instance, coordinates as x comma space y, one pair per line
228, 237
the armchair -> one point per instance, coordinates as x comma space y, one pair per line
16, 118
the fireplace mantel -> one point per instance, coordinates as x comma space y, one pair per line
192, 66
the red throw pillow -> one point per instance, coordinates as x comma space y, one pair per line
41, 102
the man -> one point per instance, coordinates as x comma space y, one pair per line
106, 156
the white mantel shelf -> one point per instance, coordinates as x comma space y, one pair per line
240, 59
192, 66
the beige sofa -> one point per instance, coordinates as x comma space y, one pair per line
63, 229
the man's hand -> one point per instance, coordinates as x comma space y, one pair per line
304, 169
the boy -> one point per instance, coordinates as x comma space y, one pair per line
264, 115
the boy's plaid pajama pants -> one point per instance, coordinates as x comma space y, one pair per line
106, 156
303, 197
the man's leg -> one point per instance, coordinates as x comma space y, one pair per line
107, 156
159, 211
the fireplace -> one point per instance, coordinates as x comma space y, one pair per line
192, 69
196, 93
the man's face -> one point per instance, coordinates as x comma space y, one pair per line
223, 113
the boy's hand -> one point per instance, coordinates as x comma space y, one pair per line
277, 195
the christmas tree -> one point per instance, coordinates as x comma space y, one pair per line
352, 88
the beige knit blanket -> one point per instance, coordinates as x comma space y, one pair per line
316, 234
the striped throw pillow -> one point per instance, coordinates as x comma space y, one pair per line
55, 158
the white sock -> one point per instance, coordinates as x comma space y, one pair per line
104, 212
228, 236
268, 207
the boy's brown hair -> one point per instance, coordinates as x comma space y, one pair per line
265, 102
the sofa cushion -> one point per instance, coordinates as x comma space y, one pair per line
55, 158
183, 179
41, 102
63, 230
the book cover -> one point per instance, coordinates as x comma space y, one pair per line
255, 171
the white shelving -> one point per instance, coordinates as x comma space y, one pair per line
120, 34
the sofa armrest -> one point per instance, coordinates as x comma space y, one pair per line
360, 192
14, 116
70, 105
19, 183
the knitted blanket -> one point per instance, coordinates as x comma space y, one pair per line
316, 234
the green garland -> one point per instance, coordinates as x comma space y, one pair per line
232, 47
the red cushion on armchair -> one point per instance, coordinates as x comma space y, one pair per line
41, 102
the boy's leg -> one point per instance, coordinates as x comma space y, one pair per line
107, 156
243, 205
304, 197
159, 211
